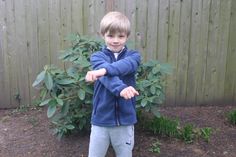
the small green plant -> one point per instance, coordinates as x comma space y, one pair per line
33, 121
232, 117
163, 126
155, 147
206, 133
187, 133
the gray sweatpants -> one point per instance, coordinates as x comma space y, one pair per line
120, 137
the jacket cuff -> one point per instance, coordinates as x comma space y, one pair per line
119, 89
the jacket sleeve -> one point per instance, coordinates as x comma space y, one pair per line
119, 68
112, 83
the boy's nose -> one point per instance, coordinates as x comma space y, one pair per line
116, 40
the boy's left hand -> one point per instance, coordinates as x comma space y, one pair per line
129, 92
93, 75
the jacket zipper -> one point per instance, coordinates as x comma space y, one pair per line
116, 104
117, 114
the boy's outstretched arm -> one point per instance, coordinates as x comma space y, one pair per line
119, 68
118, 88
93, 75
112, 83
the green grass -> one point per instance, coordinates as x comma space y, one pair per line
232, 117
165, 126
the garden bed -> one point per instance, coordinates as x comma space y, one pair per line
29, 134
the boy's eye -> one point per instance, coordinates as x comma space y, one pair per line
110, 35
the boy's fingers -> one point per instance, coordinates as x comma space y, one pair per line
94, 78
135, 92
129, 92
130, 95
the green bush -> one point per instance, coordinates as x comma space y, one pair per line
68, 97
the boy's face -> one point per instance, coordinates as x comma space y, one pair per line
115, 41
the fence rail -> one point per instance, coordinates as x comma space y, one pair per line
197, 37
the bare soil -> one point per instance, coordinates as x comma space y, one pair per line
29, 134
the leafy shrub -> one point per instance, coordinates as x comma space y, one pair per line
68, 97
150, 83
232, 117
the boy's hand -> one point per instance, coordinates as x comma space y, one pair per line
129, 92
93, 75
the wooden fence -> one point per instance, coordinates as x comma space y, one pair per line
197, 37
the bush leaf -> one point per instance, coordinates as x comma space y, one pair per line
51, 110
45, 102
39, 78
81, 94
48, 81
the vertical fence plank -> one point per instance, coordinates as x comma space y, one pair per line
43, 33
183, 58
100, 12
173, 43
12, 53
77, 16
120, 6
152, 27
230, 78
89, 17
211, 71
109, 5
195, 56
54, 19
130, 12
163, 25
163, 30
204, 50
222, 46
65, 22
233, 41
5, 100
141, 27
32, 45
21, 45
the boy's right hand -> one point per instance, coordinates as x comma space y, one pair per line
129, 92
93, 75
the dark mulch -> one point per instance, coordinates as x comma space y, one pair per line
28, 134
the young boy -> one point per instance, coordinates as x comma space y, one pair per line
114, 68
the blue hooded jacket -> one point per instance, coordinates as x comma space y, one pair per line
109, 108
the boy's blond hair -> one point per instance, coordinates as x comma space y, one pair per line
114, 22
